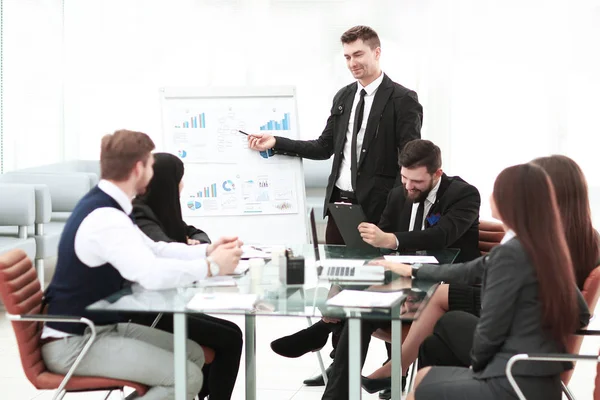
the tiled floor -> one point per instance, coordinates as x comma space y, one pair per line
278, 378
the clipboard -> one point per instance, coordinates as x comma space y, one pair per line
347, 217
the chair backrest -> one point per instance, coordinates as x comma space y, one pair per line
591, 293
490, 235
21, 293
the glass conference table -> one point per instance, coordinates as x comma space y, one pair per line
277, 299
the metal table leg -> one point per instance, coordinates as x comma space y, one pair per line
354, 388
396, 359
250, 357
180, 352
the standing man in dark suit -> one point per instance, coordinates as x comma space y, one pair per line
430, 211
371, 120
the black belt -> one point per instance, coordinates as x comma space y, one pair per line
343, 195
49, 340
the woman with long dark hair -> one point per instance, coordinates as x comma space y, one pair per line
529, 299
448, 342
158, 211
158, 215
571, 189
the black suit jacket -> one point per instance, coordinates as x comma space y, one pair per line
457, 205
147, 221
395, 119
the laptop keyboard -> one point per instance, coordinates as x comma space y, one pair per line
340, 271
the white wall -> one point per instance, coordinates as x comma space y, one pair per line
120, 52
500, 82
32, 69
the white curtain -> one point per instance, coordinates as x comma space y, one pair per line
32, 82
501, 82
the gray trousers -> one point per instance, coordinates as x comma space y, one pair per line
131, 352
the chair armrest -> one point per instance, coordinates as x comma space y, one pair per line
550, 357
62, 318
554, 357
51, 318
17, 205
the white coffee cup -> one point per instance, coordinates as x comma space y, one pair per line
256, 270
277, 255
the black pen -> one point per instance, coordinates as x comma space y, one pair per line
244, 133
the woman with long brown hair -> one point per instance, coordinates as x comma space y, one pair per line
529, 299
571, 189
449, 344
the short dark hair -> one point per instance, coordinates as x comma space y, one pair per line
364, 33
120, 152
421, 153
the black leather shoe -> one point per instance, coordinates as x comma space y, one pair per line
300, 343
375, 385
386, 394
318, 379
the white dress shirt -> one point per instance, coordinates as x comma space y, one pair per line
415, 207
344, 181
108, 235
508, 235
428, 203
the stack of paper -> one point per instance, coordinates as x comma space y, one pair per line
363, 299
412, 259
222, 301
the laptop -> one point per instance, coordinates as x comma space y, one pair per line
348, 270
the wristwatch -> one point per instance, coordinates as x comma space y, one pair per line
415, 269
213, 266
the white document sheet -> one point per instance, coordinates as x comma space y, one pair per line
216, 281
222, 301
250, 251
359, 298
412, 259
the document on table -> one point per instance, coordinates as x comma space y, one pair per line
249, 251
222, 301
360, 299
412, 259
217, 281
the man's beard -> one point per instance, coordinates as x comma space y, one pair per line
421, 196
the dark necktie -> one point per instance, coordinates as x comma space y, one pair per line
418, 226
358, 117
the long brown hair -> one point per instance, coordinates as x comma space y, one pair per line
526, 202
571, 191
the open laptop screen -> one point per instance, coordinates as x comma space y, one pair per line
313, 229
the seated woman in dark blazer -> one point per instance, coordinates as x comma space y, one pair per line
158, 215
448, 341
529, 299
158, 211
447, 347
